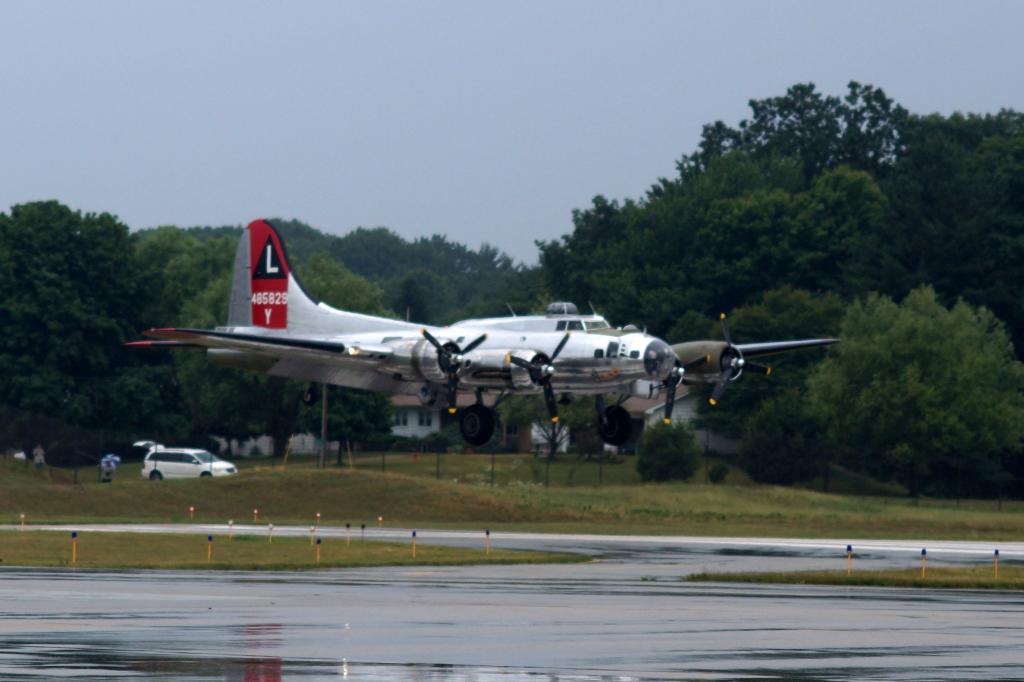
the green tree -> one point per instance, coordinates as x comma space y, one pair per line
70, 289
716, 240
337, 286
864, 130
352, 415
422, 296
176, 267
780, 444
917, 390
576, 419
667, 453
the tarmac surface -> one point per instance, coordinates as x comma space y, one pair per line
625, 616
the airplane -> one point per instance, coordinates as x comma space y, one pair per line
275, 326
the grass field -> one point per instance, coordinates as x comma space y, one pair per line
341, 495
569, 470
172, 551
1010, 578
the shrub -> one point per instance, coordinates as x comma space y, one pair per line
718, 473
780, 445
667, 453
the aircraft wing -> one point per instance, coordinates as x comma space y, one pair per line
280, 346
753, 350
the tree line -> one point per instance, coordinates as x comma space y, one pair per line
848, 216
818, 215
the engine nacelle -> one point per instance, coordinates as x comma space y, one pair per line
424, 358
693, 350
521, 378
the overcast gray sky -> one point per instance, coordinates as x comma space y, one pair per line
486, 122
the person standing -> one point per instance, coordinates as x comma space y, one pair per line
39, 456
106, 470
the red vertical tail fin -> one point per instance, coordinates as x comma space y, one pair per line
268, 277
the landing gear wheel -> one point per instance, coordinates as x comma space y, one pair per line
309, 397
477, 424
156, 476
616, 427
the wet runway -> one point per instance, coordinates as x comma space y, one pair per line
626, 616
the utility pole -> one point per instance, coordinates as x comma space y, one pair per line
323, 428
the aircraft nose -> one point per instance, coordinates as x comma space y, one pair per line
659, 359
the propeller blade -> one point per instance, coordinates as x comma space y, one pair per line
480, 339
549, 398
560, 346
757, 367
720, 385
433, 341
670, 401
519, 362
699, 362
452, 384
725, 329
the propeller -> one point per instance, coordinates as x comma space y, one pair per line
449, 359
733, 363
541, 369
673, 380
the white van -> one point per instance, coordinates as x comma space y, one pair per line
162, 462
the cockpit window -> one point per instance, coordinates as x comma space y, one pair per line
575, 325
594, 325
560, 327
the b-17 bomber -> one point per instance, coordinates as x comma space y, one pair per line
275, 326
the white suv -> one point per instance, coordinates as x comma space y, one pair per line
162, 462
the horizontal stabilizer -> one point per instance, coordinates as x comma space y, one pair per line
161, 344
252, 342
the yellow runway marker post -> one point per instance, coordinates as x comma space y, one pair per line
924, 563
191, 513
487, 541
270, 532
318, 550
996, 558
849, 560
22, 517
348, 527
255, 515
312, 534
74, 547
414, 544
209, 548
231, 529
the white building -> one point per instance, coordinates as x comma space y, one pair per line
412, 419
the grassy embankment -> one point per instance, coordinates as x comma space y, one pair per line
295, 494
1010, 578
173, 551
